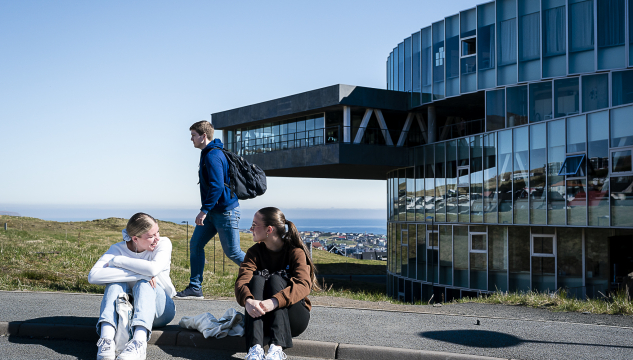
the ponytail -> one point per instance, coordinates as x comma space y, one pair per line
293, 238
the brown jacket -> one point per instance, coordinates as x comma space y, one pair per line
294, 261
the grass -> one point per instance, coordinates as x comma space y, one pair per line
39, 255
613, 304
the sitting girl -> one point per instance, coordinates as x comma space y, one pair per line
273, 284
139, 265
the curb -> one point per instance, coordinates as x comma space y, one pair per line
303, 348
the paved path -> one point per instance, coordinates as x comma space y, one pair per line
513, 333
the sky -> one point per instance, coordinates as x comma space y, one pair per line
96, 97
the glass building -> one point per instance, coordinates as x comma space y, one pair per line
505, 135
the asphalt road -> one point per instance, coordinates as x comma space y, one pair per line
518, 333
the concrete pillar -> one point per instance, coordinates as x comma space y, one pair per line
432, 124
347, 123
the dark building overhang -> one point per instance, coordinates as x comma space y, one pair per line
333, 161
312, 101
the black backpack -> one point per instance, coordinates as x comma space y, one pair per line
246, 180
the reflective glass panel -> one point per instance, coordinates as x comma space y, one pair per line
498, 259
576, 134
567, 99
538, 161
421, 251
440, 183
556, 184
505, 176
476, 179
596, 263
412, 251
519, 258
446, 254
520, 175
598, 168
622, 126
490, 193
622, 82
517, 101
451, 181
595, 92
460, 240
540, 101
495, 110
621, 201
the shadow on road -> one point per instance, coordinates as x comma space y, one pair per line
493, 339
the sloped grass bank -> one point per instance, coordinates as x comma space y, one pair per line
39, 255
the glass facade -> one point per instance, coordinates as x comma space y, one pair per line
506, 217
295, 133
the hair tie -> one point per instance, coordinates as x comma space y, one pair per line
126, 237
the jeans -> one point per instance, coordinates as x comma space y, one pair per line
281, 324
152, 306
226, 225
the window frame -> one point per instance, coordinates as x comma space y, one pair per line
535, 254
583, 157
611, 163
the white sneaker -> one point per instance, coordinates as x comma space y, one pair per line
275, 353
134, 350
106, 349
255, 353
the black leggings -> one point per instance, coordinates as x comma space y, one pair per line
281, 324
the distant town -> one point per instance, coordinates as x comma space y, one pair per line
366, 246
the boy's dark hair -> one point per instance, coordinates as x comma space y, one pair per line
203, 127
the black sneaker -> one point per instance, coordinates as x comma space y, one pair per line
190, 293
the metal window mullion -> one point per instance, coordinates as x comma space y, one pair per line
595, 35
584, 284
567, 25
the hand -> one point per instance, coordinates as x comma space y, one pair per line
253, 308
153, 282
200, 218
269, 305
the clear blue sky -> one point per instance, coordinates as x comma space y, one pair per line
96, 97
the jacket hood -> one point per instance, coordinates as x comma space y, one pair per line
215, 144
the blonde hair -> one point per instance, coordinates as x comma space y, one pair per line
271, 216
139, 224
203, 127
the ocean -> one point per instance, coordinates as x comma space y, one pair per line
374, 226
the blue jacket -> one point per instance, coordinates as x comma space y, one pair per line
214, 195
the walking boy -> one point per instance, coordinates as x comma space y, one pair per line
219, 214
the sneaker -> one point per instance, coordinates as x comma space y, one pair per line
106, 349
134, 350
255, 353
275, 353
190, 293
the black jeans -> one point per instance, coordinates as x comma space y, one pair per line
281, 324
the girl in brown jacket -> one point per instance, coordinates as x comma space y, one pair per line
273, 284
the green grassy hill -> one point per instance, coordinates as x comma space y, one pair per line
41, 255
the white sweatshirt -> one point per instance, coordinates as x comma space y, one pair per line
120, 264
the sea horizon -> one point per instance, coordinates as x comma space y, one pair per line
370, 226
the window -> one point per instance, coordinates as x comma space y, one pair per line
507, 42
554, 31
581, 26
610, 23
529, 37
478, 242
543, 245
621, 161
572, 166
469, 46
